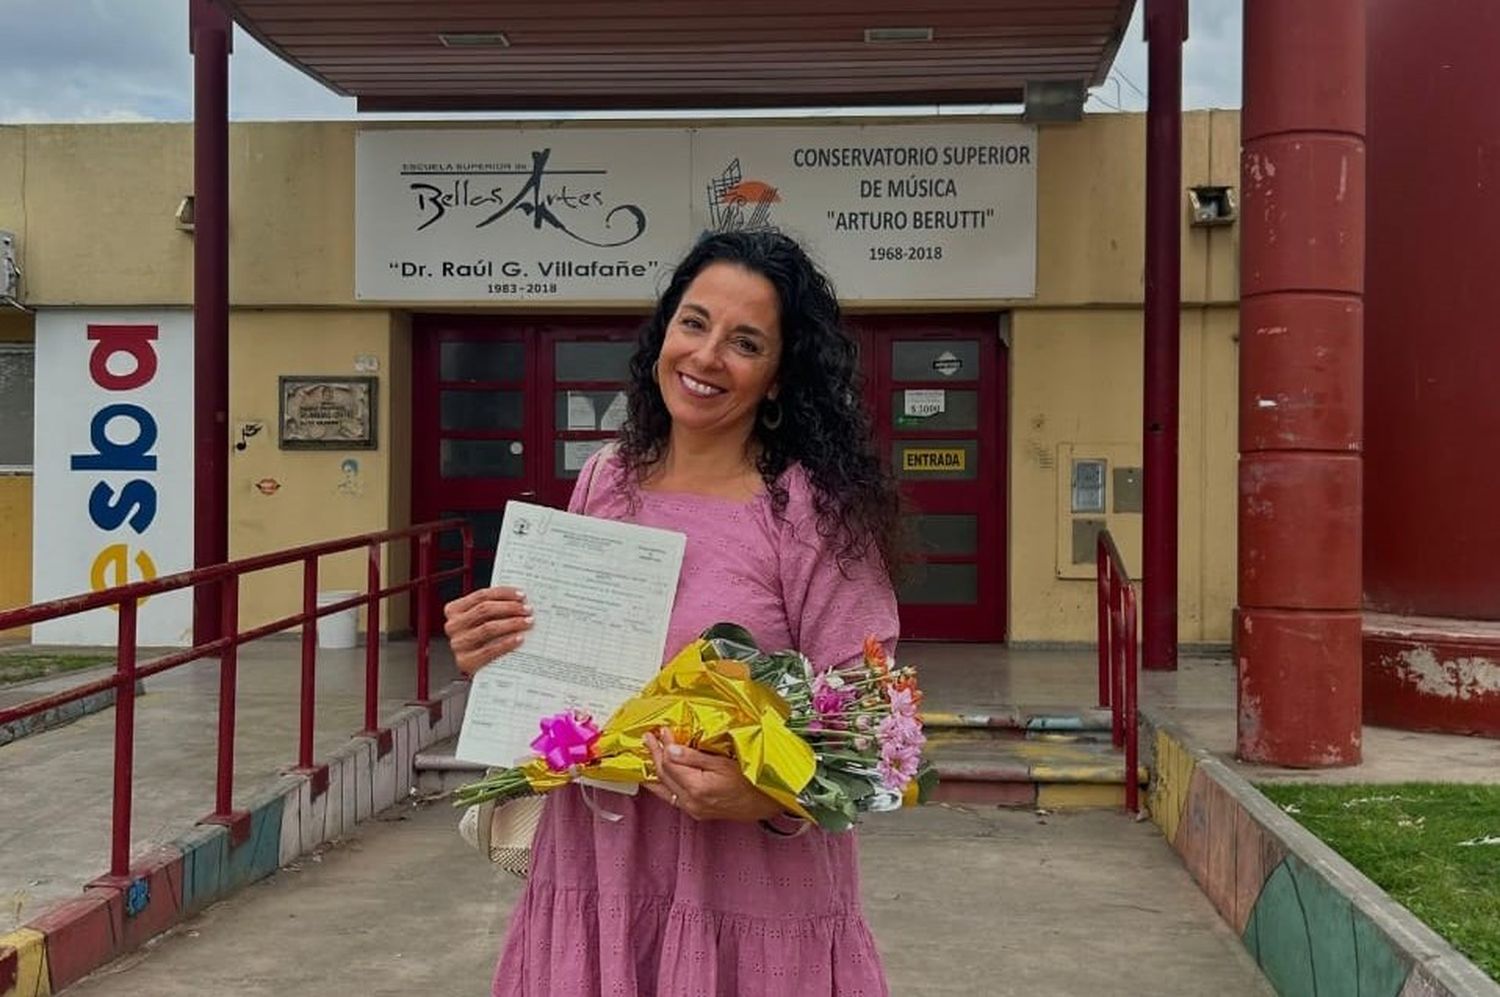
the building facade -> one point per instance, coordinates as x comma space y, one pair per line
408, 341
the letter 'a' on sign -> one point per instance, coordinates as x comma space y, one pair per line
934, 459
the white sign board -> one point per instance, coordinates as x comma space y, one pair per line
114, 467
893, 212
924, 402
496, 214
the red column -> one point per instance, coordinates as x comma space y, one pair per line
1302, 174
209, 41
1166, 28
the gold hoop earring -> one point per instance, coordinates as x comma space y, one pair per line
771, 414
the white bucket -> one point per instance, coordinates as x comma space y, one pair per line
337, 630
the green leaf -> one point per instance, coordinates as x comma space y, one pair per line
927, 781
853, 786
830, 819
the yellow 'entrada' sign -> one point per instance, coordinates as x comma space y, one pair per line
934, 460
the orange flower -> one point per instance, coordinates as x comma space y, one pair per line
875, 657
908, 682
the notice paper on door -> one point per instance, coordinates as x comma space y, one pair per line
614, 415
576, 453
602, 592
581, 411
924, 402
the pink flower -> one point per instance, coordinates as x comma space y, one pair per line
903, 703
831, 702
898, 764
899, 730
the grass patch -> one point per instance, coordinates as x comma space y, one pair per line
23, 666
1410, 838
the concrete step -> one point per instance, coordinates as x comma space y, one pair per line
1018, 723
1048, 775
437, 771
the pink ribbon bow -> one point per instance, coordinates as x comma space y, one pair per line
567, 739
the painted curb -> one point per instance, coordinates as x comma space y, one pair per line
1313, 922
23, 964
61, 716
67, 941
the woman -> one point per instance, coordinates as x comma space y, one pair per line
746, 433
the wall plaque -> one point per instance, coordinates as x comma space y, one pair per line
327, 413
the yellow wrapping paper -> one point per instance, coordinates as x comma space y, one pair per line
709, 703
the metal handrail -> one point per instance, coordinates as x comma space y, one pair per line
1118, 659
128, 671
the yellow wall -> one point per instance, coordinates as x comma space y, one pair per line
314, 499
94, 206
1076, 379
13, 186
15, 540
1091, 210
100, 203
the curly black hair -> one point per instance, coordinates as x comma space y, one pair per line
824, 425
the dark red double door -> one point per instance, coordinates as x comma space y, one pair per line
510, 408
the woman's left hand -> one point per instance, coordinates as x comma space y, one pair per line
705, 786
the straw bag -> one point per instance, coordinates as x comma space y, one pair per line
503, 832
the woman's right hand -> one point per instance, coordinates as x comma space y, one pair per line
485, 624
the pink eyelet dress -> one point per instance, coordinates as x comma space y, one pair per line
658, 904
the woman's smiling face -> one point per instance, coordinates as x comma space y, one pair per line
722, 351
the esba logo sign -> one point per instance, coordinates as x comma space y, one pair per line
133, 505
114, 470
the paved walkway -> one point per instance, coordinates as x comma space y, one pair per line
962, 903
55, 787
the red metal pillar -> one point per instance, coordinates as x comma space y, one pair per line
124, 788
1166, 28
209, 42
1301, 383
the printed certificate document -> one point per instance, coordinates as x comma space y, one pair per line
602, 592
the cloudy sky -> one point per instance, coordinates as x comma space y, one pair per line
122, 60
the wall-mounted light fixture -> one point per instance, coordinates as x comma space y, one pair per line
1054, 101
185, 212
1212, 205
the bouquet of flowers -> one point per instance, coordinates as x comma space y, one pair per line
828, 742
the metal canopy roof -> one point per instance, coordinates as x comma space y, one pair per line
480, 55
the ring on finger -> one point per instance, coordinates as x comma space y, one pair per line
674, 799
